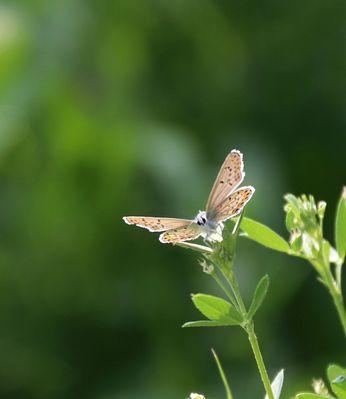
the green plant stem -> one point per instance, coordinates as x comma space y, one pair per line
249, 328
259, 360
235, 287
333, 285
338, 272
339, 304
335, 292
223, 287
248, 325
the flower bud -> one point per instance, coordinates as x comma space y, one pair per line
321, 208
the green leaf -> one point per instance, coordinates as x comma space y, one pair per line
259, 295
217, 309
204, 323
334, 371
337, 378
340, 226
339, 387
264, 235
310, 396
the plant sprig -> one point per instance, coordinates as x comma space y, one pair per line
219, 264
304, 221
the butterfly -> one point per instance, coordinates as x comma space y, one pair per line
225, 201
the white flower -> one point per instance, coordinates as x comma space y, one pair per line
319, 387
208, 269
196, 396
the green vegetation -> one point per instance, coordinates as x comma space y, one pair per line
111, 107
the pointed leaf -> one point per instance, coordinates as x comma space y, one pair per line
277, 384
310, 396
259, 295
217, 309
340, 226
264, 235
204, 323
223, 376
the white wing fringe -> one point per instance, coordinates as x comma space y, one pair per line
277, 385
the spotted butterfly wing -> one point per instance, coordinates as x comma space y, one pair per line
230, 176
156, 223
186, 233
232, 205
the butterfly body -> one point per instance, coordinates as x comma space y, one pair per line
225, 202
210, 229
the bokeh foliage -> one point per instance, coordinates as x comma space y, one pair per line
128, 107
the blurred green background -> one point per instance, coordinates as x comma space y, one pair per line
110, 108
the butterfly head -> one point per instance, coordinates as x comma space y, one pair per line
201, 218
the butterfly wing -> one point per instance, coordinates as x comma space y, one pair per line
156, 223
232, 205
186, 233
230, 176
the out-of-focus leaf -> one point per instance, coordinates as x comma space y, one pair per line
204, 323
264, 235
310, 396
337, 378
259, 295
339, 386
334, 371
340, 225
217, 309
277, 385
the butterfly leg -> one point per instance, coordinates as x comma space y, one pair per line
207, 242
